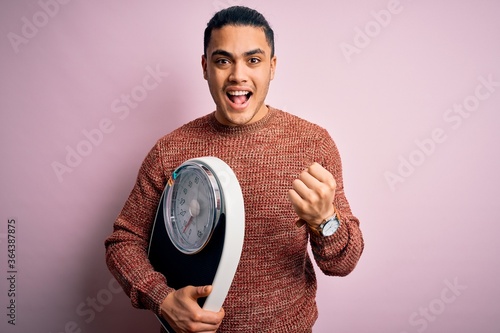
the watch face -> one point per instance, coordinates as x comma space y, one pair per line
192, 207
330, 227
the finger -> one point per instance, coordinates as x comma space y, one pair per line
311, 189
214, 319
300, 188
294, 198
199, 326
309, 179
209, 317
203, 291
183, 313
322, 175
209, 320
200, 291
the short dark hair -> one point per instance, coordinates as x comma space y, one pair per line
238, 16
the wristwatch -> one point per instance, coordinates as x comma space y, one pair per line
329, 226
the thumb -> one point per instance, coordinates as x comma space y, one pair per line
202, 291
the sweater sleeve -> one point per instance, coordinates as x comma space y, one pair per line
338, 254
127, 246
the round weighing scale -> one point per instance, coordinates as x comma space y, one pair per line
198, 232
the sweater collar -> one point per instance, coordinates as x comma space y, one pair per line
243, 129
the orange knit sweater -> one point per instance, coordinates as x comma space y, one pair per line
274, 288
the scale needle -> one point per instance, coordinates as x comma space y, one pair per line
187, 224
194, 210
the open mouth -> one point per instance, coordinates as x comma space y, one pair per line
239, 97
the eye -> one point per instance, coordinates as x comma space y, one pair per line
222, 61
254, 60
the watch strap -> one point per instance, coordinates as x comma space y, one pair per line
318, 230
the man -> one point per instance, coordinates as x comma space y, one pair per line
291, 178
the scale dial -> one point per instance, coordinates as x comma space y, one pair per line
192, 206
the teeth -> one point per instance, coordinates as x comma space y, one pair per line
238, 93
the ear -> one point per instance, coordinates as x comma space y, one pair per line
204, 66
273, 66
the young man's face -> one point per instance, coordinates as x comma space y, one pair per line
238, 67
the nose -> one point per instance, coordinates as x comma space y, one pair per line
238, 72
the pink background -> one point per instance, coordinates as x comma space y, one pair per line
384, 77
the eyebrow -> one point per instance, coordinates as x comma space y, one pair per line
246, 54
